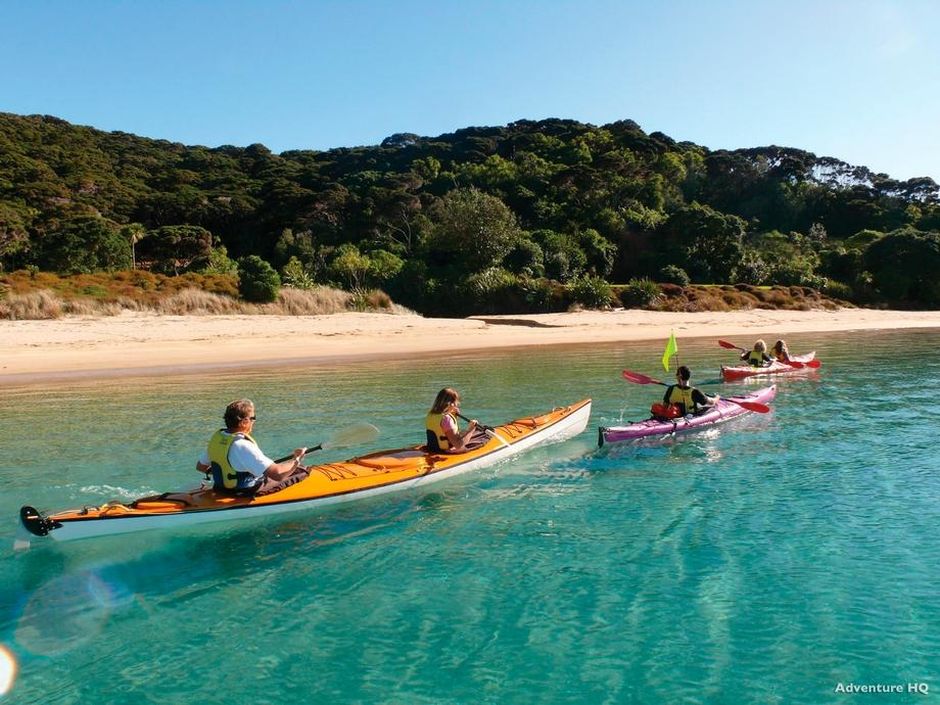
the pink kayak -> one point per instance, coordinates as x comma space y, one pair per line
802, 363
723, 410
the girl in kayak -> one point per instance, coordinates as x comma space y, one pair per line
440, 424
780, 351
757, 357
687, 398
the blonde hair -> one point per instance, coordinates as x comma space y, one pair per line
760, 346
444, 398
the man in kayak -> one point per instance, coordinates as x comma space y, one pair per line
689, 399
757, 357
236, 462
441, 427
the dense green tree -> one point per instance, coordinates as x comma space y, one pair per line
789, 259
14, 234
85, 246
174, 249
257, 280
473, 230
349, 265
708, 244
904, 265
598, 251
563, 259
383, 266
526, 258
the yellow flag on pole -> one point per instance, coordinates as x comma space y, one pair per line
671, 349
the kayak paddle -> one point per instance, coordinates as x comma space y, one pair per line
731, 346
357, 433
480, 425
637, 378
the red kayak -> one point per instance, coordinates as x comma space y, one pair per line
798, 363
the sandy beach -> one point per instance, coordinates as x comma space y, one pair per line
144, 344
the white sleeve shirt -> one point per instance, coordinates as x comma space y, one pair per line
244, 456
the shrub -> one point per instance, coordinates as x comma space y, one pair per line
220, 263
486, 291
837, 289
591, 292
526, 258
295, 276
673, 274
257, 280
641, 292
538, 294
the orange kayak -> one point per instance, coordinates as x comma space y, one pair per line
327, 484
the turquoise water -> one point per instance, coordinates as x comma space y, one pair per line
767, 561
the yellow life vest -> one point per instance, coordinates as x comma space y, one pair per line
755, 359
682, 397
223, 474
437, 439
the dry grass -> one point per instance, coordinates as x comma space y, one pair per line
40, 295
145, 288
196, 302
36, 305
309, 302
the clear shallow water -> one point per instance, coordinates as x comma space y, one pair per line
766, 561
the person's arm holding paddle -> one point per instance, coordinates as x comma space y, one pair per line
458, 440
703, 401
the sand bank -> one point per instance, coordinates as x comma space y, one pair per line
141, 344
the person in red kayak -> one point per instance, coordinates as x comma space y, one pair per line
780, 351
235, 461
757, 357
441, 427
685, 398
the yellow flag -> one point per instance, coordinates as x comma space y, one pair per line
671, 349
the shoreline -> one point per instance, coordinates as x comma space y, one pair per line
136, 344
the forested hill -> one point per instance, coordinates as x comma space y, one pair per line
480, 211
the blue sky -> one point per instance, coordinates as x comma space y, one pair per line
858, 80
